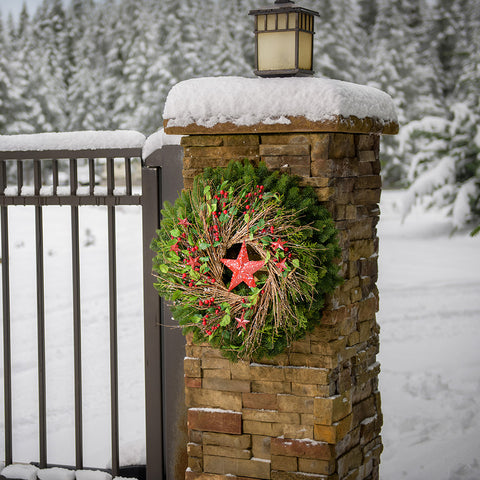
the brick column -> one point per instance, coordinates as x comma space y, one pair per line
314, 409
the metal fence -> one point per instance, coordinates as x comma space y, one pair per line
161, 179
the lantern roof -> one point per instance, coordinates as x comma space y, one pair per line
283, 6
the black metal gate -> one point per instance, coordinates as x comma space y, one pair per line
161, 180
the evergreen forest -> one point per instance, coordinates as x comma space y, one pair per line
85, 64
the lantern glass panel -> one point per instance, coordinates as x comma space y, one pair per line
276, 51
292, 20
282, 21
261, 22
305, 51
271, 21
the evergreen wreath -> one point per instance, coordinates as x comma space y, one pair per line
247, 257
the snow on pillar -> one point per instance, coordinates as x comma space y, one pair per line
315, 409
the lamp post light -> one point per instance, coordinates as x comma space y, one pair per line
284, 40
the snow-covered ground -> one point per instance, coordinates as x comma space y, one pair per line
59, 335
429, 286
429, 313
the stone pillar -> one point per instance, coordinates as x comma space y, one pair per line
315, 409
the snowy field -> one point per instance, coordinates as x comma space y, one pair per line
59, 335
429, 313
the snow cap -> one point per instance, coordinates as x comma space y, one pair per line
157, 140
277, 104
20, 471
87, 140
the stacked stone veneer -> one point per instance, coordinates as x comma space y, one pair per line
313, 411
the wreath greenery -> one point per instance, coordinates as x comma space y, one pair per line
247, 257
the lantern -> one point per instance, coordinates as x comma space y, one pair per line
284, 40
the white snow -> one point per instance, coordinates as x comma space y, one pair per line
59, 336
213, 410
461, 208
86, 140
56, 473
157, 140
429, 315
92, 475
249, 101
20, 471
428, 182
429, 356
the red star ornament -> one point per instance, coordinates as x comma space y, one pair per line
242, 322
193, 262
184, 222
242, 268
278, 244
175, 248
281, 265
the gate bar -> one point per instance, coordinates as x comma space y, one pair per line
54, 176
42, 401
112, 270
91, 175
7, 355
77, 326
19, 176
151, 198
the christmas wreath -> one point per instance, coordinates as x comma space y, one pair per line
246, 257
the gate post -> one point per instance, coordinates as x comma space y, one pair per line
164, 347
315, 409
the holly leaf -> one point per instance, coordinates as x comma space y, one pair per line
206, 192
204, 268
296, 263
203, 245
225, 320
225, 306
204, 259
175, 232
247, 217
163, 268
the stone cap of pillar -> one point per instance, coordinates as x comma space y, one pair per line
236, 105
